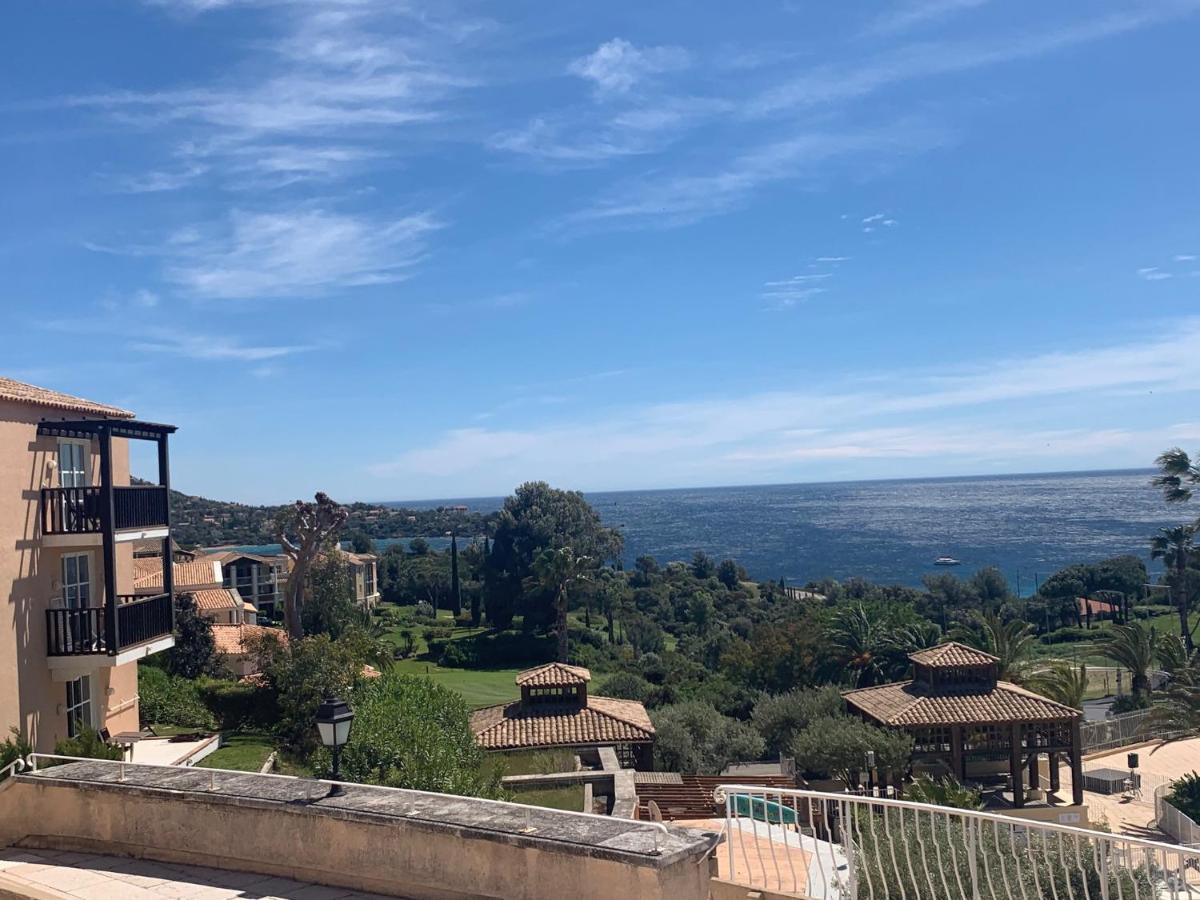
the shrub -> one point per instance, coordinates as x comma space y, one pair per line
13, 748
1129, 703
781, 717
171, 700
89, 745
457, 654
694, 739
1068, 635
838, 745
305, 672
237, 705
625, 686
946, 791
1184, 795
409, 732
424, 610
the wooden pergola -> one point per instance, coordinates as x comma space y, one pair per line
961, 715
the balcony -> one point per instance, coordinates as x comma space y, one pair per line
142, 623
78, 510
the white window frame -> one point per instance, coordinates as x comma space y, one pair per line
86, 472
90, 580
82, 687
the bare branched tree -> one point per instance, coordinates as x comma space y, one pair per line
305, 530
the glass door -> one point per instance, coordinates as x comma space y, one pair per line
73, 475
77, 595
79, 705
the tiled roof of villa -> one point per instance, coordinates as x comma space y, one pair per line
231, 639
20, 392
201, 573
902, 704
217, 599
515, 726
555, 674
951, 654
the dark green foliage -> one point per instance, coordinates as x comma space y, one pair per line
945, 791
626, 686
838, 745
409, 732
535, 518
88, 745
781, 717
239, 706
702, 565
329, 606
359, 540
418, 546
730, 574
166, 699
455, 584
1184, 795
302, 673
13, 748
693, 738
193, 654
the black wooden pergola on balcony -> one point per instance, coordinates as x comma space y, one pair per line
117, 513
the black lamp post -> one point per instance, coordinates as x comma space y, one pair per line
334, 717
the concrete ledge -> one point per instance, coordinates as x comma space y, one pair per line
405, 843
720, 889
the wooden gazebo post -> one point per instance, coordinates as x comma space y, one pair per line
1015, 770
1076, 762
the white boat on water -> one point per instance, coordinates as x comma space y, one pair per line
946, 561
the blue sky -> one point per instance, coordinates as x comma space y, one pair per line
404, 250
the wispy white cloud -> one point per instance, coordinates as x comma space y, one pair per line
789, 292
617, 65
831, 421
296, 253
676, 199
835, 84
1184, 257
876, 221
833, 259
919, 13
1153, 273
213, 347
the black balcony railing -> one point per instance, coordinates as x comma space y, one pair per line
76, 510
82, 632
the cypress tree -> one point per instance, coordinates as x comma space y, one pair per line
455, 586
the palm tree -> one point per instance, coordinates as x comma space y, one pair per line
1176, 472
858, 645
1011, 642
1061, 681
554, 571
1177, 709
1135, 647
1174, 547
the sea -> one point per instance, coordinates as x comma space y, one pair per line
1028, 526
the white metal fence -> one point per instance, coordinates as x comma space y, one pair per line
1121, 731
843, 847
1173, 822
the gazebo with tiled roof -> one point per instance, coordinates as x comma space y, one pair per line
556, 711
960, 713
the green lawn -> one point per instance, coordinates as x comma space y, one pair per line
243, 752
480, 687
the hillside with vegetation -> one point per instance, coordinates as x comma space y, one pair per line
201, 522
730, 668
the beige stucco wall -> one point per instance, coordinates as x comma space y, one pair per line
406, 858
29, 574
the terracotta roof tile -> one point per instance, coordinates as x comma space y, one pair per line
953, 653
901, 705
215, 600
202, 573
21, 392
231, 639
553, 674
603, 721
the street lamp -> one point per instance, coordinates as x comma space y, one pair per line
870, 761
334, 717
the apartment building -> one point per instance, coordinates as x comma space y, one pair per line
74, 626
363, 577
259, 580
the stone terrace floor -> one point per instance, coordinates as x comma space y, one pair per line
53, 875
